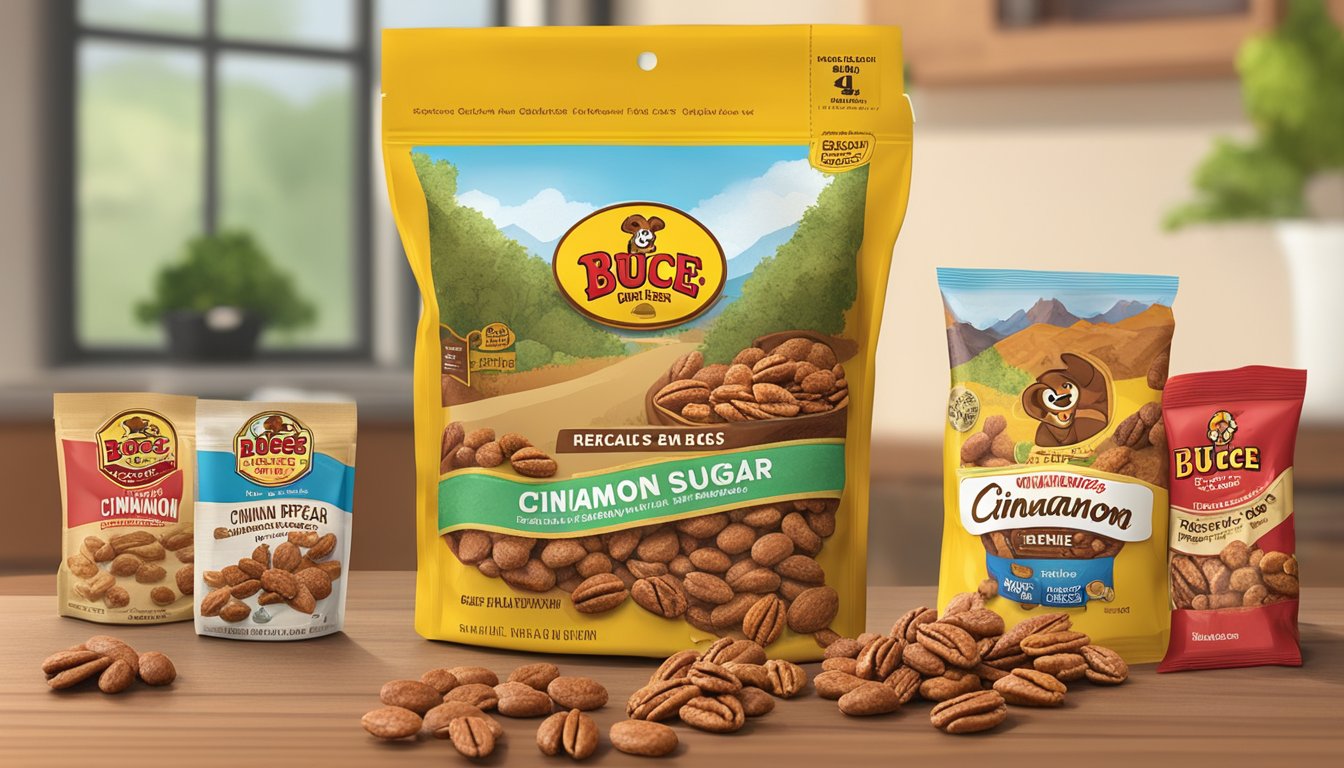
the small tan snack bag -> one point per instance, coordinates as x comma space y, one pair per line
127, 483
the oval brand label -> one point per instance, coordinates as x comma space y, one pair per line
841, 150
273, 448
137, 448
639, 265
496, 336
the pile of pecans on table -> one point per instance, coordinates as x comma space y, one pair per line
717, 689
713, 691
115, 664
966, 661
451, 703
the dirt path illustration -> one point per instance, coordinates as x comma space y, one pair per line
613, 396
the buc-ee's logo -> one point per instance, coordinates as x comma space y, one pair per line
640, 265
1219, 455
273, 448
1072, 403
137, 448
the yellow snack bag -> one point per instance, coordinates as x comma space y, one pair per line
1055, 456
652, 263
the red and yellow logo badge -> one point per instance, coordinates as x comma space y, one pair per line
273, 448
640, 265
137, 448
1219, 455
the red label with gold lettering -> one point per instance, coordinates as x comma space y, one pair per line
1233, 568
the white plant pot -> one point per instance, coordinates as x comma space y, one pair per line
1314, 252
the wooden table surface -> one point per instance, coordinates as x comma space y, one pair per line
298, 704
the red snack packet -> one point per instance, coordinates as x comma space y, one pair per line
1233, 571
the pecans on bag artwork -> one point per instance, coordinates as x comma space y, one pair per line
127, 485
274, 513
644, 368
1233, 569
1055, 455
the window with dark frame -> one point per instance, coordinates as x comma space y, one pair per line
185, 117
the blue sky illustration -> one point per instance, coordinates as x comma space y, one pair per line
984, 297
741, 193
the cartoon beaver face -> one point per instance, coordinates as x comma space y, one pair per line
135, 424
275, 425
1222, 426
641, 231
1072, 403
1059, 395
139, 425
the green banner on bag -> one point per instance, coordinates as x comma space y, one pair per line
665, 490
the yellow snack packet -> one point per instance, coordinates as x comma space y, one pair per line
1055, 456
652, 263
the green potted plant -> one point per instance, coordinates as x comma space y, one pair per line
1291, 173
216, 300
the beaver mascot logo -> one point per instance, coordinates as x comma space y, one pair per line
1222, 426
643, 233
139, 426
1072, 403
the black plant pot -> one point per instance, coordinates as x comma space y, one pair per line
221, 334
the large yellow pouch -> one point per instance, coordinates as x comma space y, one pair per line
1055, 457
652, 263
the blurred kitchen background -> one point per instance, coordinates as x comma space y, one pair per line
1051, 134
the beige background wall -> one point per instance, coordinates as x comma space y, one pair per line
740, 11
22, 188
1050, 177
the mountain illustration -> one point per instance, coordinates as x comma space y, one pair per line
1124, 347
1050, 312
1122, 310
532, 245
746, 261
965, 341
1044, 311
1015, 322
